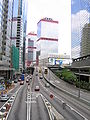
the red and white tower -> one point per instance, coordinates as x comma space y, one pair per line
47, 34
31, 49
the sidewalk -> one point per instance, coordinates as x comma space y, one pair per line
7, 90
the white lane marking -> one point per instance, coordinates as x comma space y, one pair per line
51, 110
9, 99
77, 112
66, 104
48, 106
15, 95
57, 81
72, 109
43, 86
31, 98
29, 102
68, 91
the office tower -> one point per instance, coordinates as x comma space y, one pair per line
0, 29
80, 12
47, 33
25, 3
19, 33
81, 39
31, 49
85, 40
17, 30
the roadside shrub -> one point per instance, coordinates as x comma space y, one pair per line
83, 85
71, 78
68, 76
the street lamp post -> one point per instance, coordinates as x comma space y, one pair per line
79, 85
49, 74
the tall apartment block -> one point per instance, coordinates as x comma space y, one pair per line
31, 49
47, 33
5, 34
17, 37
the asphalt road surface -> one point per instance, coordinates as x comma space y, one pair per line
18, 111
29, 104
85, 95
79, 107
25, 110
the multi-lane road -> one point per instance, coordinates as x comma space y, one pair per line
66, 87
38, 105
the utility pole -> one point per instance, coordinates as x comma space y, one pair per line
79, 85
49, 74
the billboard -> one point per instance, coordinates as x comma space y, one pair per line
52, 61
60, 62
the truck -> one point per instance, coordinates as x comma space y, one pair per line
22, 77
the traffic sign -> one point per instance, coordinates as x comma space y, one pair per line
51, 96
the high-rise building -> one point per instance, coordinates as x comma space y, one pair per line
0, 28
85, 41
14, 31
47, 33
80, 32
80, 12
25, 3
31, 49
15, 58
5, 35
19, 29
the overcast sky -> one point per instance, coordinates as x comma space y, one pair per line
59, 10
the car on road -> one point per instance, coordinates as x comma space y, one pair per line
22, 83
30, 77
41, 77
37, 88
4, 97
47, 85
36, 74
15, 81
27, 80
45, 71
19, 80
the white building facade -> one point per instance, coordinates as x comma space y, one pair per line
47, 34
14, 31
31, 49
